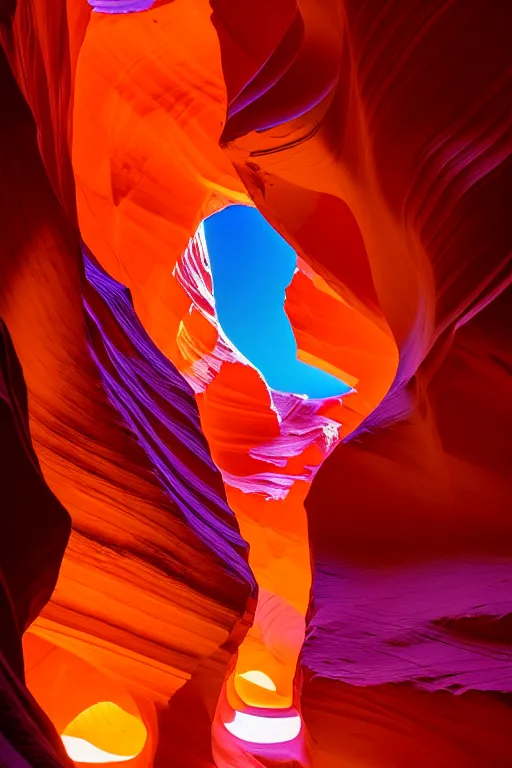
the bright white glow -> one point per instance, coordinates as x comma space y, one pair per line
82, 751
264, 730
260, 679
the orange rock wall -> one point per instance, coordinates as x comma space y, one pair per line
376, 139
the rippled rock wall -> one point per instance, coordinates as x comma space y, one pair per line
376, 138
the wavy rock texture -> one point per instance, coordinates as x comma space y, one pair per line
35, 532
144, 593
267, 445
376, 138
42, 43
405, 125
427, 591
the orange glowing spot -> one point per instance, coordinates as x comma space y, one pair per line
260, 679
104, 733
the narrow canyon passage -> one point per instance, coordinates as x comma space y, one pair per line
250, 268
255, 383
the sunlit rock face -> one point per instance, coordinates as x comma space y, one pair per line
375, 138
145, 593
408, 521
97, 719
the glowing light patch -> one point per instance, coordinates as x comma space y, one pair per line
260, 679
82, 751
264, 730
104, 733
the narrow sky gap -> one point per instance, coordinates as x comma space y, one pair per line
251, 268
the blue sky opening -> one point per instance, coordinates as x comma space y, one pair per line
251, 268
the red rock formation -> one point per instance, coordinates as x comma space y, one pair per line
263, 447
42, 44
376, 138
167, 103
140, 595
422, 556
412, 135
35, 530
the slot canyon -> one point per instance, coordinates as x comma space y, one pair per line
256, 383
